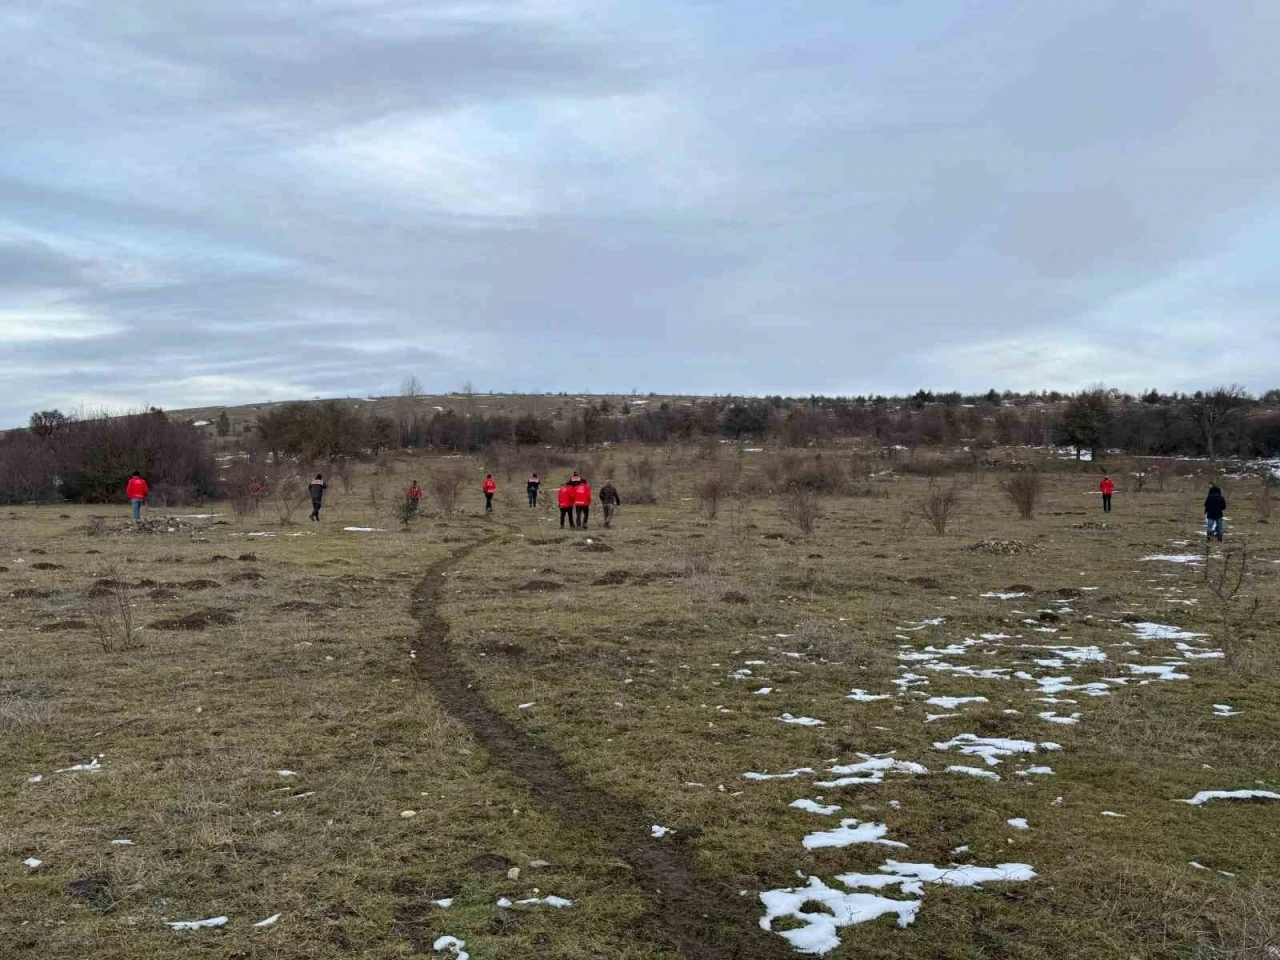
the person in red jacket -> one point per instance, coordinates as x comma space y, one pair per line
490, 488
136, 491
413, 496
1108, 487
582, 503
564, 497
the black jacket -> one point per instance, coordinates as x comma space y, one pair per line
317, 488
532, 484
1215, 505
608, 494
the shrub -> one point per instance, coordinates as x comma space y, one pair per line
287, 494
642, 495
937, 503
405, 508
111, 616
800, 509
445, 487
819, 475
710, 490
1024, 489
643, 471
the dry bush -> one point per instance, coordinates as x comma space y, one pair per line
711, 489
1264, 498
445, 487
385, 466
405, 508
341, 471
1024, 490
643, 471
111, 616
18, 713
375, 497
642, 495
288, 493
1225, 579
819, 475
800, 509
937, 503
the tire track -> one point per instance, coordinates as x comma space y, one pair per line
699, 916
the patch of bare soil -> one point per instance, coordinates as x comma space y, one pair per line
200, 584
696, 916
540, 586
199, 620
31, 593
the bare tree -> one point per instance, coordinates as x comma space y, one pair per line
937, 503
287, 493
800, 508
1216, 410
411, 387
445, 487
710, 490
1225, 579
112, 615
1024, 489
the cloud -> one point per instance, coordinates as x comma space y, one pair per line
203, 203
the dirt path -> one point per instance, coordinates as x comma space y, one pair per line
700, 917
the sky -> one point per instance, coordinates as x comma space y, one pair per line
206, 203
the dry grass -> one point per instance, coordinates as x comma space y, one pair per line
629, 670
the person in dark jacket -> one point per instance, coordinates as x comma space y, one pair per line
1215, 508
532, 486
317, 487
610, 500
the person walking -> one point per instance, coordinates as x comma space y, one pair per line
564, 497
1215, 509
582, 502
317, 487
490, 487
610, 500
136, 491
1108, 487
413, 495
532, 487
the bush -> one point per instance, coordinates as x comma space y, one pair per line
1024, 489
405, 508
819, 475
642, 495
112, 615
445, 487
937, 503
710, 490
643, 471
800, 509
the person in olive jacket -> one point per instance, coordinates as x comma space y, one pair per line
610, 500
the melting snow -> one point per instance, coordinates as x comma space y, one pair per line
751, 775
1018, 823
848, 833
1003, 595
802, 721
1175, 557
32, 862
1162, 671
270, 921
819, 933
1204, 796
451, 943
992, 748
950, 703
763, 691
1224, 710
1111, 813
814, 807
362, 530
1052, 717
93, 766
974, 772
863, 697
197, 924
1162, 631
1036, 772
658, 832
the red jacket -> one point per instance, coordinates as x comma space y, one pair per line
582, 495
136, 489
413, 492
564, 496
490, 485
1107, 486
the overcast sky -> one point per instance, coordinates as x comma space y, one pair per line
208, 202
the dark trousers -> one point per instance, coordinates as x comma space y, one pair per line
1106, 503
533, 497
488, 502
567, 512
583, 513
608, 513
315, 509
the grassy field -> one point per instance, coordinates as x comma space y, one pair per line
343, 728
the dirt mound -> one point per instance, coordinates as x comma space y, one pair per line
544, 541
1008, 547
46, 565
30, 593
199, 620
248, 557
612, 579
929, 583
541, 586
163, 593
247, 576
200, 584
104, 588
1092, 525
307, 606
734, 596
96, 891
58, 626
149, 526
594, 546
1019, 588
489, 863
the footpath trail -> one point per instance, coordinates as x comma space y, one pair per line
698, 916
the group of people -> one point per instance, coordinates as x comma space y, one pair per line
1215, 508
574, 500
